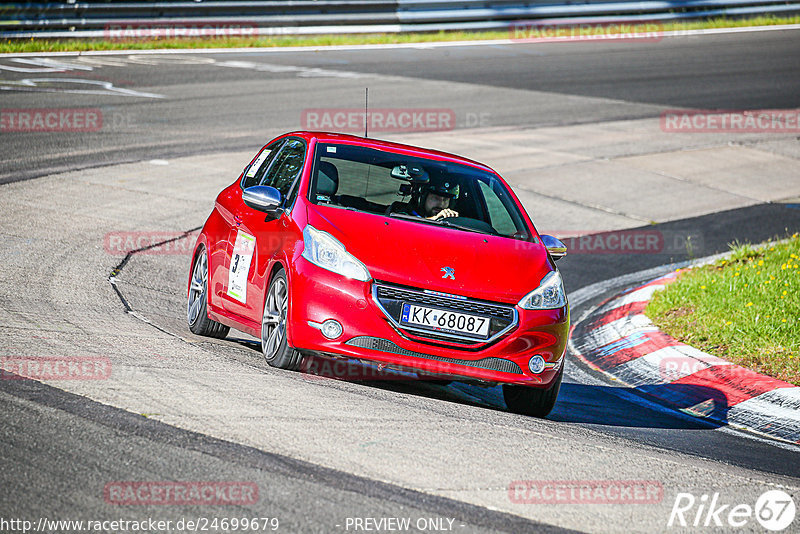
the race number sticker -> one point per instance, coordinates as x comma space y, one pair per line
240, 266
257, 163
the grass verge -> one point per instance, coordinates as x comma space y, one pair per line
85, 45
745, 308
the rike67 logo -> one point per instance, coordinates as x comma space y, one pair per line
774, 510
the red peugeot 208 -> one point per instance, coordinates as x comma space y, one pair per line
349, 247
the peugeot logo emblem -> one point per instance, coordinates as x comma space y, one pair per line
449, 272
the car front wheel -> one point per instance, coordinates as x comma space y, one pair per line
274, 342
527, 400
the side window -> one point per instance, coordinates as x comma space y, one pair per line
286, 167
255, 172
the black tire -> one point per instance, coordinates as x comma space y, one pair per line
527, 400
197, 301
274, 342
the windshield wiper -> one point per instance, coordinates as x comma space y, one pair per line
340, 207
440, 222
445, 222
411, 217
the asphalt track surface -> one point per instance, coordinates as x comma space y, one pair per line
226, 108
61, 448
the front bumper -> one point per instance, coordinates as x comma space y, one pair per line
368, 334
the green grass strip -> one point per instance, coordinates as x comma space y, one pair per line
84, 45
745, 309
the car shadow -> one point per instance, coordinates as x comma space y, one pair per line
641, 407
655, 406
577, 403
247, 343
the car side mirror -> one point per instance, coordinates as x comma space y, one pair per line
263, 198
555, 247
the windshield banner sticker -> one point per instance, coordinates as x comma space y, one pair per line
257, 163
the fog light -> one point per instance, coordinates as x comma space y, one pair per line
536, 365
332, 329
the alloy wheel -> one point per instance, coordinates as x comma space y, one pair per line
273, 324
197, 289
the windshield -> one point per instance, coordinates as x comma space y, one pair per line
416, 189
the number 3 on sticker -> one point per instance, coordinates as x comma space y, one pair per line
240, 266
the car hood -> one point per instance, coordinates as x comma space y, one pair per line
414, 254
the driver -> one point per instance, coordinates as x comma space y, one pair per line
433, 200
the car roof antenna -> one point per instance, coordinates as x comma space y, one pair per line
366, 110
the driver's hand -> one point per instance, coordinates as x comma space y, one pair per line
447, 212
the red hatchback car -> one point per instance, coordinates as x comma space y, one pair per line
348, 247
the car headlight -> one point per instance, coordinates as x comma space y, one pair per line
324, 250
549, 295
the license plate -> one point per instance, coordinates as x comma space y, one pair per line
445, 321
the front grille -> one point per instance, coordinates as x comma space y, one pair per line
384, 345
467, 306
502, 317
